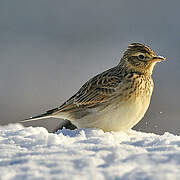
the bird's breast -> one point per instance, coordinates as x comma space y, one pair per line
120, 115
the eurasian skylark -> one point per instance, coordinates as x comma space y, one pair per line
116, 99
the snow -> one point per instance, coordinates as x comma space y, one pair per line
33, 153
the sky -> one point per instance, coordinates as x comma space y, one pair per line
49, 49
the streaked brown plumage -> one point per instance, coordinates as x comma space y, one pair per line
116, 99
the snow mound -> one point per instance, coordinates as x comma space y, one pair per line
33, 153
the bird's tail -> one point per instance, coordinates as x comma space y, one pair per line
47, 114
35, 118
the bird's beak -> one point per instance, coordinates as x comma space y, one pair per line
158, 59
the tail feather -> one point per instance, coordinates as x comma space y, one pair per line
35, 118
47, 114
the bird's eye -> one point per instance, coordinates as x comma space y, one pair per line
141, 57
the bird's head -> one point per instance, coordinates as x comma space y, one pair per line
139, 57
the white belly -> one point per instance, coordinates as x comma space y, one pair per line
116, 117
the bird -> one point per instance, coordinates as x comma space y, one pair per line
116, 99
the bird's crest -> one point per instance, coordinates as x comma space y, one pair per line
140, 47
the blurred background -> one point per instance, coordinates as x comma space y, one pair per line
48, 49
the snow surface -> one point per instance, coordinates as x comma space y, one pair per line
33, 153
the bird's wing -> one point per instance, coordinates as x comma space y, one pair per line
97, 90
